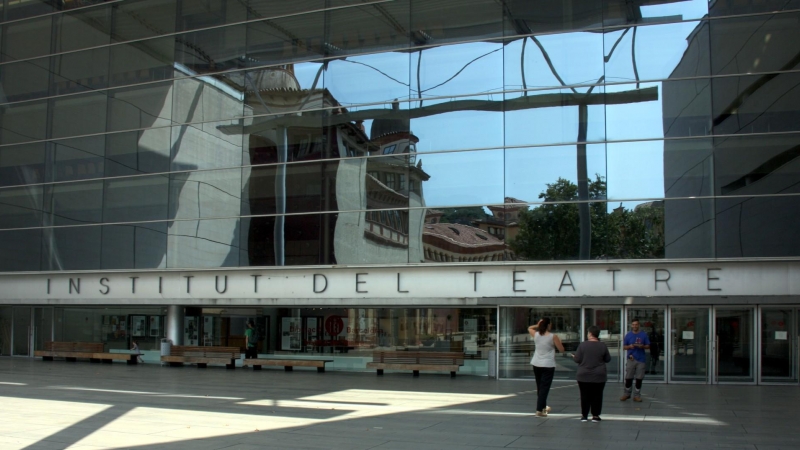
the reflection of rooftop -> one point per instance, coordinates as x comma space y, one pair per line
461, 236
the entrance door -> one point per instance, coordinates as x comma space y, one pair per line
22, 332
778, 345
690, 344
652, 321
609, 321
734, 352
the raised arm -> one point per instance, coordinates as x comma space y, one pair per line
532, 330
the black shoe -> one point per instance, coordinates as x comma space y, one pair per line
584, 419
596, 419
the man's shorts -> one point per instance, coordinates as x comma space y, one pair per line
634, 369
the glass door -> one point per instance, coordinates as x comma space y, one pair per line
690, 344
516, 346
734, 332
609, 320
778, 345
652, 321
42, 327
22, 331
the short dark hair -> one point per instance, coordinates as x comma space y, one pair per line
251, 323
634, 320
594, 331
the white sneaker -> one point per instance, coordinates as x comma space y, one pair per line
541, 414
548, 409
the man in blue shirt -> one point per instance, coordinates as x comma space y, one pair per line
635, 342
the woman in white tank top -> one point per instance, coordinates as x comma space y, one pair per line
544, 362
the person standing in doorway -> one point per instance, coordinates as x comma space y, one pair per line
635, 342
544, 362
656, 345
250, 342
592, 357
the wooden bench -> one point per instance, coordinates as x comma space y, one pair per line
288, 364
202, 356
416, 361
71, 351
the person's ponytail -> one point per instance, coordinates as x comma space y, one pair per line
544, 325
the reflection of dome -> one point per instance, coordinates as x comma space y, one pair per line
386, 126
275, 79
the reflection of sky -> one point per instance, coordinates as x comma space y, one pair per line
632, 170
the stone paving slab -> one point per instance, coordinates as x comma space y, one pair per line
56, 405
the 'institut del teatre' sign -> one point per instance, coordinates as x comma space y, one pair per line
460, 281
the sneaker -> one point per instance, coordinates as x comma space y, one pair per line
624, 397
541, 414
596, 419
637, 399
548, 409
584, 419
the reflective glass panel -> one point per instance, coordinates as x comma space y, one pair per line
203, 243
734, 344
23, 122
142, 246
553, 60
620, 12
74, 203
143, 19
373, 78
561, 116
755, 165
78, 115
20, 250
460, 178
71, 248
22, 164
758, 226
27, 39
656, 52
778, 345
759, 43
690, 344
516, 345
21, 207
541, 16
729, 8
195, 195
651, 321
458, 123
756, 104
676, 108
136, 199
140, 107
77, 159
137, 152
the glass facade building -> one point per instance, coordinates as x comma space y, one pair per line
153, 138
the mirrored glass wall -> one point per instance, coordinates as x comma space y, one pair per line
162, 134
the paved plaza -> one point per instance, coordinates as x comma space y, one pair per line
58, 405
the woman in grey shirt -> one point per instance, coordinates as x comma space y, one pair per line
592, 356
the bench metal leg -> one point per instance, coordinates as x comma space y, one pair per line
321, 369
71, 359
107, 361
256, 367
47, 358
230, 366
416, 373
380, 372
288, 368
201, 365
175, 364
131, 362
452, 374
94, 360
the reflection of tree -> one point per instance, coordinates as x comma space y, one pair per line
552, 231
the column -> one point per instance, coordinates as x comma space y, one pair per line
175, 317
